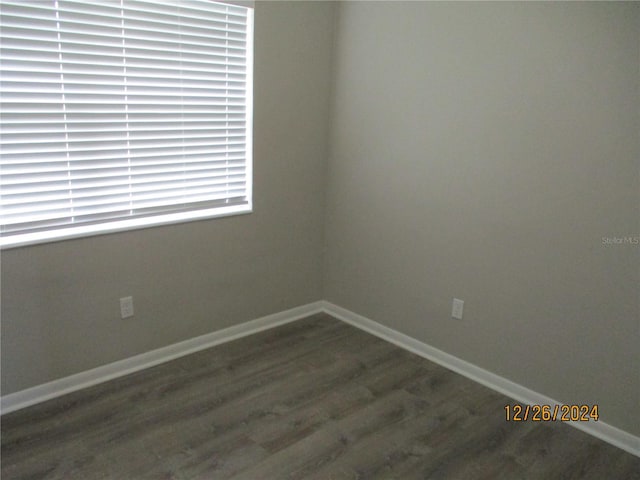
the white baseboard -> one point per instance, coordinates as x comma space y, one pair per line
599, 429
88, 378
57, 388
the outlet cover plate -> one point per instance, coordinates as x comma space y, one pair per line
126, 307
457, 308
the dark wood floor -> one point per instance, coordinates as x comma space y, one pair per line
316, 399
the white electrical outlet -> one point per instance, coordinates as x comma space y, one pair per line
126, 307
457, 308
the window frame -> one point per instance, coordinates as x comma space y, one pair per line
134, 223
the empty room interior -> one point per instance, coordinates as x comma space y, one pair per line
417, 256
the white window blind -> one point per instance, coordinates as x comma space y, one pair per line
122, 113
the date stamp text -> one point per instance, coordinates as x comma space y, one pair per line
551, 413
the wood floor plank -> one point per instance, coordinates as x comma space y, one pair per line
315, 399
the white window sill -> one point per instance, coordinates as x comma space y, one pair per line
119, 226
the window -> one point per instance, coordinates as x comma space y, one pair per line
119, 114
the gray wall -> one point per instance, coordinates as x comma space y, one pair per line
60, 310
482, 151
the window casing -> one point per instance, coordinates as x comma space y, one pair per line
120, 114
